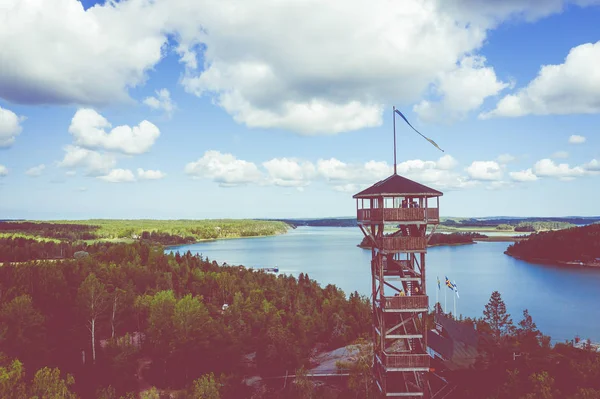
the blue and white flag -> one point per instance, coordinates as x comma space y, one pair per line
426, 138
455, 289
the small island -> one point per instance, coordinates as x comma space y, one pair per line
577, 246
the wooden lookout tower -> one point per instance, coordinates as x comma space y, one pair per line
394, 215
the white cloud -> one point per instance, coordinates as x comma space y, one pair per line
118, 176
592, 166
490, 13
150, 174
560, 154
485, 170
82, 189
103, 50
576, 139
3, 171
332, 66
348, 177
446, 162
162, 101
70, 172
224, 169
10, 126
93, 162
506, 158
88, 129
462, 89
569, 88
289, 172
547, 168
35, 171
333, 74
523, 175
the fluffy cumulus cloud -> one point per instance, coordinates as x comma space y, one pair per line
93, 162
485, 170
331, 67
592, 166
289, 172
10, 126
118, 176
224, 169
150, 174
35, 171
353, 177
461, 89
572, 87
227, 170
548, 168
523, 175
162, 101
89, 130
576, 139
3, 171
90, 56
490, 13
332, 74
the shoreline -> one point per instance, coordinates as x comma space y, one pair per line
550, 262
201, 240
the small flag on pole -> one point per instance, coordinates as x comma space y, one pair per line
456, 289
449, 284
426, 138
439, 286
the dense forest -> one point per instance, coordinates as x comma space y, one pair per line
574, 244
165, 232
516, 361
85, 325
58, 231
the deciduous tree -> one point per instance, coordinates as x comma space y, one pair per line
93, 300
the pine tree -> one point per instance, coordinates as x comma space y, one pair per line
496, 316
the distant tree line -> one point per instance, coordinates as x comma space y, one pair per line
574, 244
61, 231
511, 223
166, 232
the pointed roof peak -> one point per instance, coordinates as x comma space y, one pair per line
397, 186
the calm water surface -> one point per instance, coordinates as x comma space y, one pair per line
564, 302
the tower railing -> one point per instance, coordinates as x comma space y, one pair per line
431, 215
402, 360
405, 244
413, 303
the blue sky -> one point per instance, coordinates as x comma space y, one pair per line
261, 109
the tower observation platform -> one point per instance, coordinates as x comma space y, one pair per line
394, 215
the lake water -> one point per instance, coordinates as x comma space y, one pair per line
563, 302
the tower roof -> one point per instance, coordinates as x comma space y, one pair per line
397, 186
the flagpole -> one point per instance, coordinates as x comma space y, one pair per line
445, 302
455, 306
394, 113
437, 294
